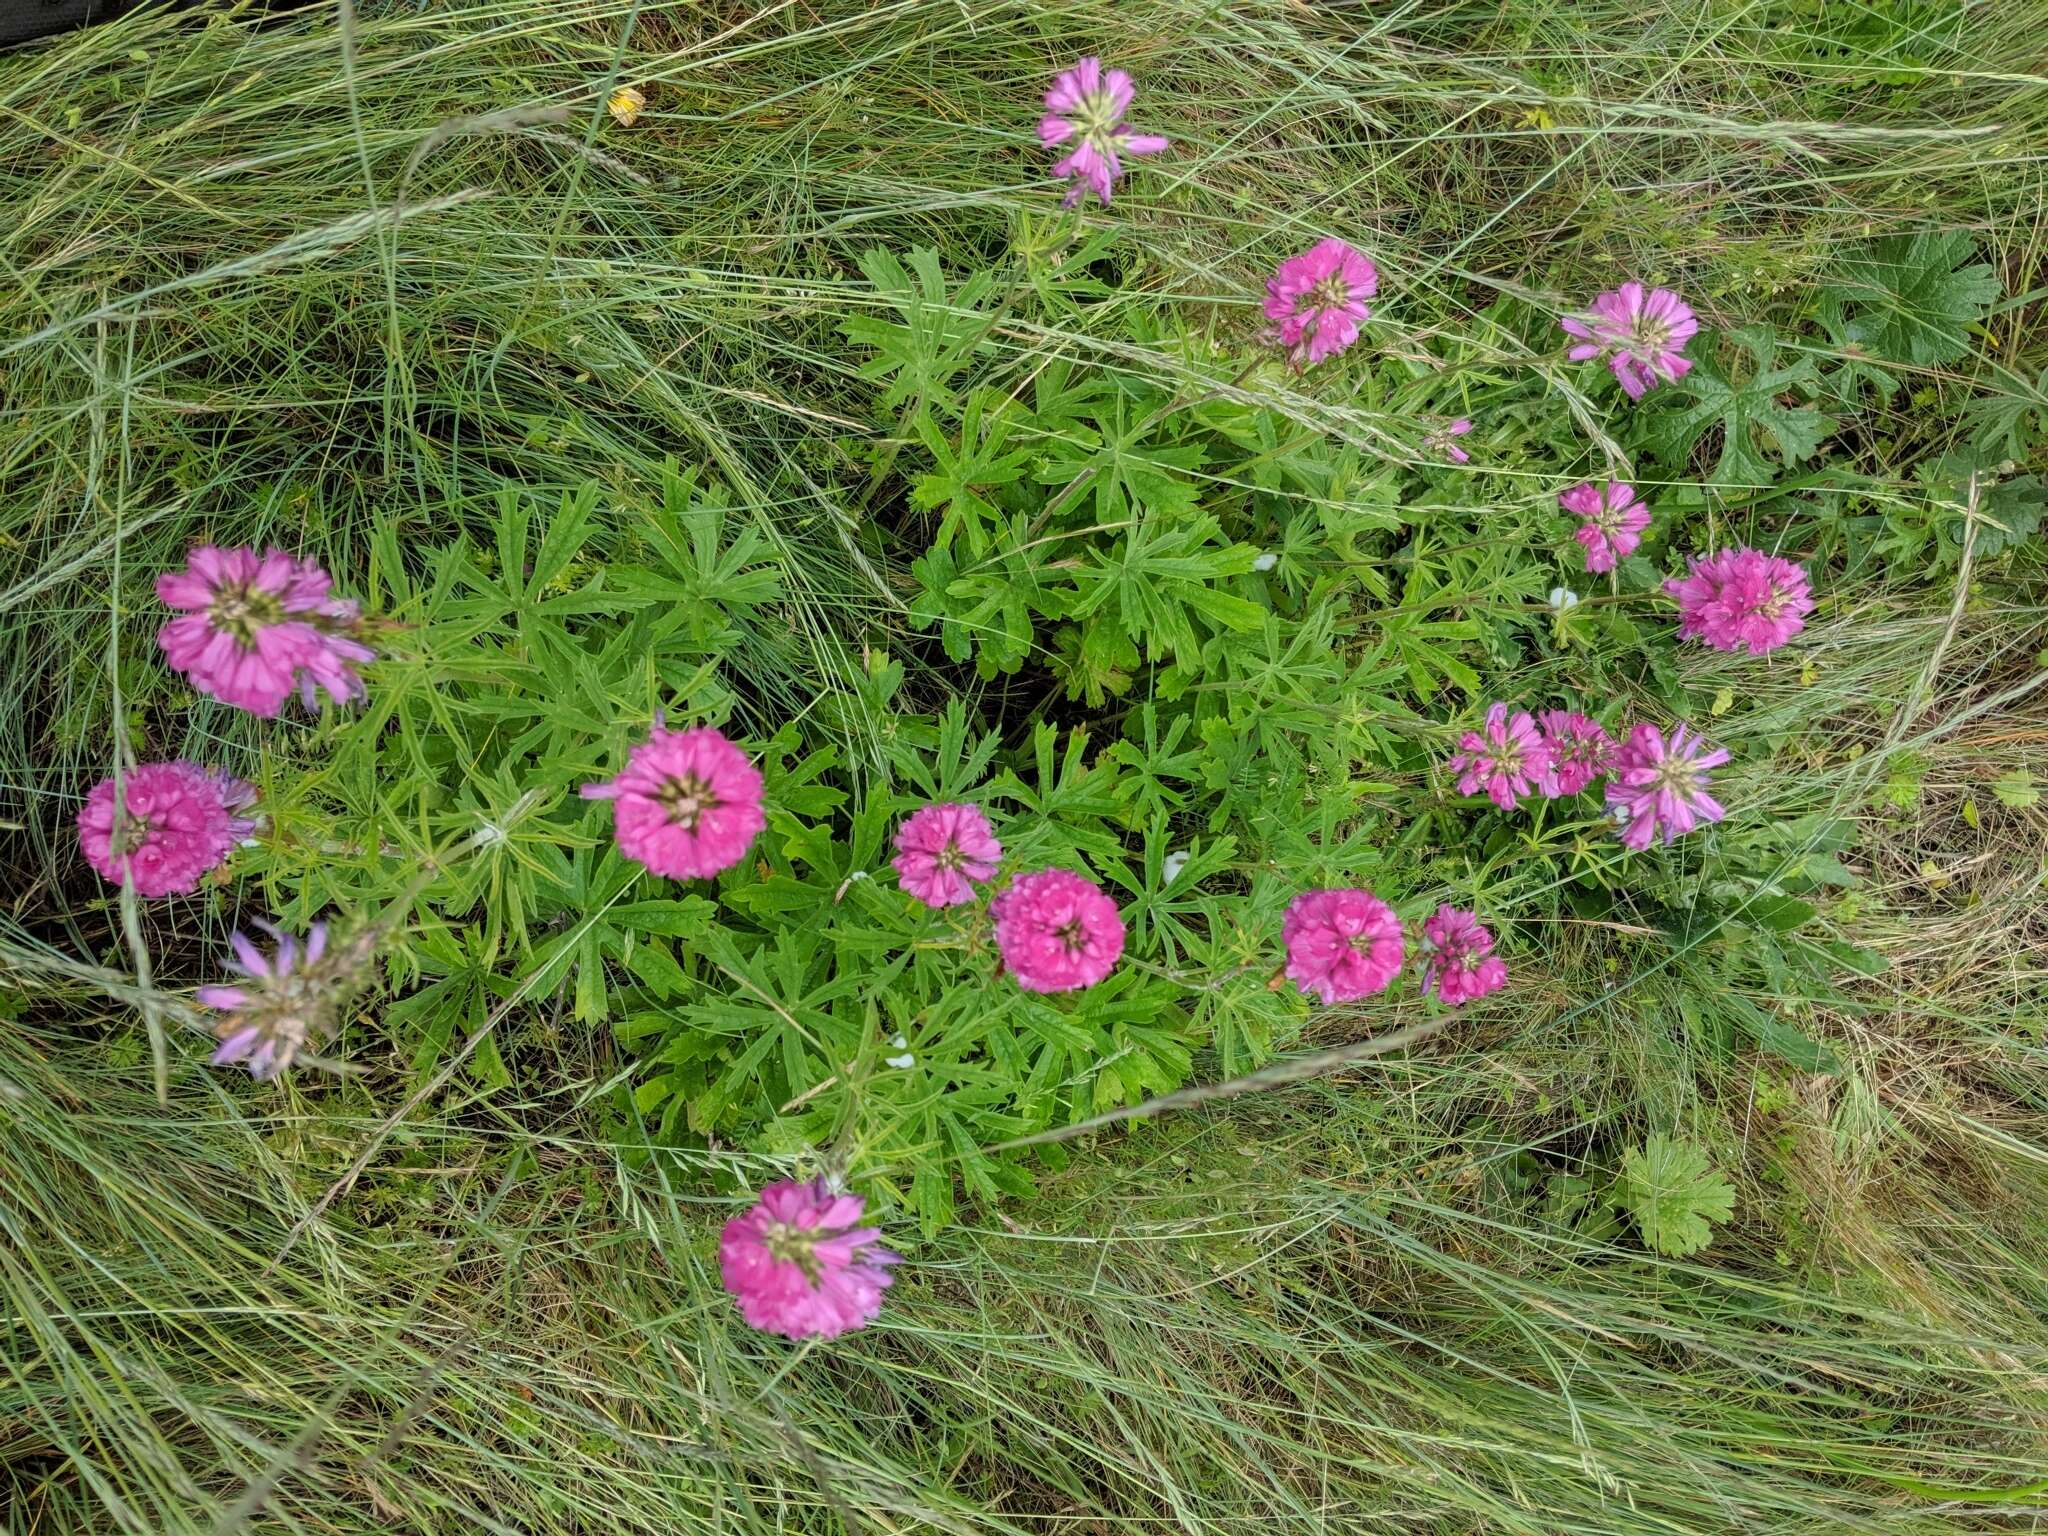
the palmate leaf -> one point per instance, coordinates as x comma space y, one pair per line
1158, 581
984, 611
1760, 408
2004, 513
977, 460
1095, 661
1912, 299
696, 558
933, 336
1117, 461
2010, 419
1857, 365
1674, 1193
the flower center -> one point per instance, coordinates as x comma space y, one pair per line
686, 798
949, 858
130, 833
1675, 776
1361, 944
1072, 935
1331, 292
1649, 336
1096, 118
243, 612
787, 1244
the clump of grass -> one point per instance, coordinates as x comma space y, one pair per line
311, 279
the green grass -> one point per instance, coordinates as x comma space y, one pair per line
260, 282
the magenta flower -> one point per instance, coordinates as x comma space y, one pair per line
1086, 107
1580, 751
1659, 786
1444, 440
254, 628
801, 1265
1742, 597
940, 848
1316, 300
1458, 962
688, 804
1614, 521
1057, 931
177, 823
1507, 759
289, 1002
1341, 945
1642, 335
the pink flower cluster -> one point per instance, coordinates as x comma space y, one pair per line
1658, 785
1505, 759
801, 1265
1057, 932
1085, 108
1346, 944
253, 629
942, 849
688, 804
1317, 300
1444, 440
1612, 521
1580, 751
1341, 944
250, 631
1741, 599
1642, 334
1655, 785
290, 1001
177, 823
1459, 963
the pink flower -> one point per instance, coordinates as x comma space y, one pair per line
254, 628
1444, 440
1508, 759
290, 1001
1659, 786
940, 848
688, 804
1316, 300
802, 1266
1614, 521
1341, 945
1086, 105
1642, 334
1742, 597
177, 823
1057, 931
1458, 962
1580, 751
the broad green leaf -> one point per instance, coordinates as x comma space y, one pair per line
1760, 407
1912, 298
1673, 1192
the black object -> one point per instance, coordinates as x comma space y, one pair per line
21, 20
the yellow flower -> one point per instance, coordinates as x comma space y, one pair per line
625, 105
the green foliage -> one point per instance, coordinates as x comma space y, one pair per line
1675, 1195
1005, 516
1758, 411
933, 336
1911, 299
